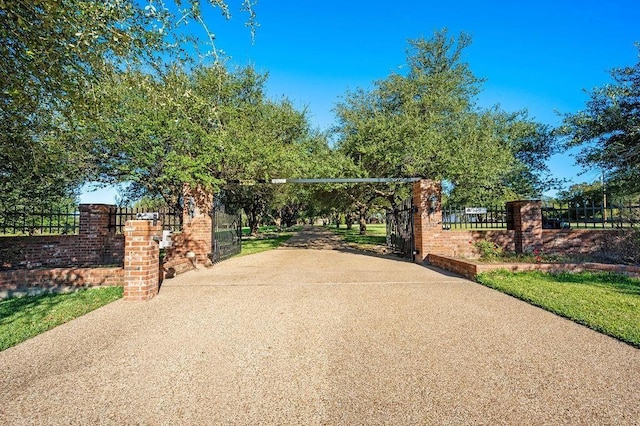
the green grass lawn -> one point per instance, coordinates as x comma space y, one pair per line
607, 303
24, 317
376, 234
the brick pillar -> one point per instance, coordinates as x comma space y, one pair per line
141, 259
427, 221
197, 225
94, 232
526, 221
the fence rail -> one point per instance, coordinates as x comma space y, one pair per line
589, 215
455, 217
170, 219
40, 221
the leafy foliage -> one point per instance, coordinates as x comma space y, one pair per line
53, 52
608, 129
425, 123
200, 128
583, 193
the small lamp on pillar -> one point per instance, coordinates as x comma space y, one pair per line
192, 207
433, 204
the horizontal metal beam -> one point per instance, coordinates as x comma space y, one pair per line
348, 180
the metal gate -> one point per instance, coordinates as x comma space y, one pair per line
227, 232
400, 229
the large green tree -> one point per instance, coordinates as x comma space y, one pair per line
205, 128
201, 128
52, 53
425, 122
608, 130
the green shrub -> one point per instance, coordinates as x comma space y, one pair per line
488, 250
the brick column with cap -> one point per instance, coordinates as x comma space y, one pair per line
526, 221
427, 218
197, 224
141, 259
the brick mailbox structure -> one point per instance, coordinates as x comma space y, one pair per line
141, 259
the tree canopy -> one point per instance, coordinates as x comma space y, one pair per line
426, 123
608, 129
53, 52
199, 128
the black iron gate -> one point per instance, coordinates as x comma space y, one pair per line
400, 235
227, 232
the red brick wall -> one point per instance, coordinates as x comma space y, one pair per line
95, 244
431, 238
599, 244
60, 277
471, 269
461, 243
604, 243
526, 234
41, 252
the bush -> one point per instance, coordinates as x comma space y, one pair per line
488, 250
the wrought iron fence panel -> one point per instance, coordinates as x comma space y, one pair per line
400, 232
227, 232
456, 217
615, 215
170, 219
40, 220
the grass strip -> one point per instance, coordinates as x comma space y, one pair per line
605, 302
24, 317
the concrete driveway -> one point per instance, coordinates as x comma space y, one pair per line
320, 335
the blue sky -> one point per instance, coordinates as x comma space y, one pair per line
536, 55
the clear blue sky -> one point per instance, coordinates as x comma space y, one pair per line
537, 55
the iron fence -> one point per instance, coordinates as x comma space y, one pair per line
39, 220
615, 215
226, 232
400, 229
455, 217
170, 219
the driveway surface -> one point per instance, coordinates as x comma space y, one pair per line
309, 335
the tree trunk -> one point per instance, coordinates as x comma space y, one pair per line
254, 222
363, 220
349, 221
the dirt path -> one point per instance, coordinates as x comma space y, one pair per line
306, 336
316, 238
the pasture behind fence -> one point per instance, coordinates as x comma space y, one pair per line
59, 220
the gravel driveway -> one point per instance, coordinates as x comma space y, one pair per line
318, 336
